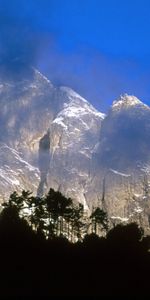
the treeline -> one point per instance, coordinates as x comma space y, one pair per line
38, 259
55, 215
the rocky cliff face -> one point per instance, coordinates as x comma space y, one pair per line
52, 137
16, 174
73, 135
122, 159
52, 129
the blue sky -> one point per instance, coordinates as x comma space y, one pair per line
99, 48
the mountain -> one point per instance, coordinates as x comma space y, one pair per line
52, 137
16, 173
125, 134
52, 128
122, 159
73, 135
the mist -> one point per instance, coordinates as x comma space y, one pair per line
29, 37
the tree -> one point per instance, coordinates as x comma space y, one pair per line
57, 207
39, 215
129, 234
15, 201
77, 221
28, 207
10, 213
99, 220
10, 220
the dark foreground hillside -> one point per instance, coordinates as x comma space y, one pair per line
34, 267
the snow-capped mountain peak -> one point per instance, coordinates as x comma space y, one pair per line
127, 101
52, 137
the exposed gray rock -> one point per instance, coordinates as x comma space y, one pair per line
52, 137
15, 173
120, 159
73, 135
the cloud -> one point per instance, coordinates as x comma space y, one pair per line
98, 77
28, 37
20, 36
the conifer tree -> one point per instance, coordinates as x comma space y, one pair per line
99, 220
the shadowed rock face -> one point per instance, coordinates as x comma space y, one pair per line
44, 162
122, 159
125, 135
52, 137
24, 114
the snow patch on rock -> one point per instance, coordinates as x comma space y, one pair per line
127, 101
120, 173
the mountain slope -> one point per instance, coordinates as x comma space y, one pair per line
121, 158
52, 137
73, 135
125, 134
53, 128
15, 173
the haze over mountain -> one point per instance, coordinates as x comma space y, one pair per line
52, 137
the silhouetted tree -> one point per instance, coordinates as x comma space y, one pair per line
69, 219
129, 234
77, 221
39, 215
11, 222
99, 220
14, 201
10, 212
124, 252
58, 207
